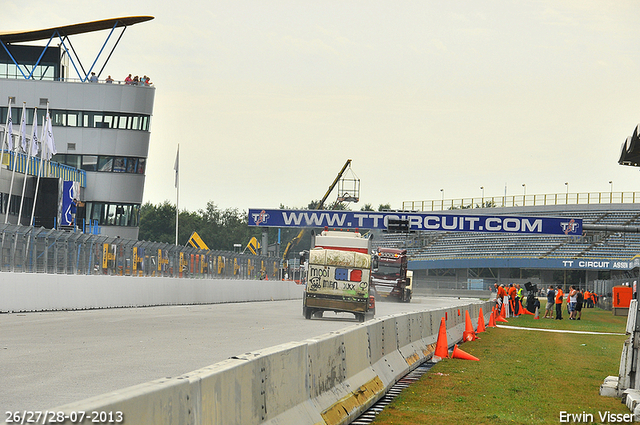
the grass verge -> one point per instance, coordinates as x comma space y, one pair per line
523, 377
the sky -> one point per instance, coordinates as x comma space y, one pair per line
427, 98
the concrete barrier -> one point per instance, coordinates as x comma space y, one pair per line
326, 380
50, 292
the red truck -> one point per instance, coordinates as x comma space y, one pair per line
390, 276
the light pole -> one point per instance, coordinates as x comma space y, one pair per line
610, 191
482, 188
567, 184
442, 190
524, 193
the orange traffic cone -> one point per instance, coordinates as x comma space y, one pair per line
502, 312
468, 334
459, 354
500, 316
537, 315
492, 319
442, 348
481, 327
524, 310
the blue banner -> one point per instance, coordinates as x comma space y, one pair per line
69, 193
418, 221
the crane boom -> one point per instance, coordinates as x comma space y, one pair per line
320, 206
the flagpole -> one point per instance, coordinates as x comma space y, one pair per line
6, 135
9, 137
24, 185
13, 175
23, 137
177, 168
35, 195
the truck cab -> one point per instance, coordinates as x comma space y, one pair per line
339, 276
390, 275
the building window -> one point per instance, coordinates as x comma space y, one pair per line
110, 214
88, 119
105, 163
119, 165
90, 162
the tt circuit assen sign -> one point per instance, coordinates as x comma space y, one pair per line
418, 221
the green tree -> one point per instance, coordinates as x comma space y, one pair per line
366, 207
158, 222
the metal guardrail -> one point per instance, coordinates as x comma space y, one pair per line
524, 201
25, 249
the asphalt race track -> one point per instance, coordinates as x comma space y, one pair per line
55, 358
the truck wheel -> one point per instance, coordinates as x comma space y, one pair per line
360, 317
307, 313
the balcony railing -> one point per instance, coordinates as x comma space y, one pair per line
31, 166
524, 200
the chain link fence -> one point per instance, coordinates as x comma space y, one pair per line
27, 249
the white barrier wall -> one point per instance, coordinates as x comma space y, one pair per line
47, 292
326, 380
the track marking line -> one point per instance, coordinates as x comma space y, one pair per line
559, 330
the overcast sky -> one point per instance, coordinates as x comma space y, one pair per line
269, 99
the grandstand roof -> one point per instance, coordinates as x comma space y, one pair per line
66, 30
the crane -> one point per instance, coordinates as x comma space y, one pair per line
319, 206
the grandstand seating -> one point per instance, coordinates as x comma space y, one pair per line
469, 245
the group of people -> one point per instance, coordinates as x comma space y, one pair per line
515, 294
137, 81
576, 300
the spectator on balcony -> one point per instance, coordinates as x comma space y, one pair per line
128, 80
93, 78
108, 80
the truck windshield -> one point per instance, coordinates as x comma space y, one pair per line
388, 270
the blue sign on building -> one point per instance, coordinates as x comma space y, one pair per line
418, 221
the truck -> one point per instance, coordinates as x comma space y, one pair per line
390, 276
339, 276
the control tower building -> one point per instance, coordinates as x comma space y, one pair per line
101, 129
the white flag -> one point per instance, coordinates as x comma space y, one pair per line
23, 127
177, 165
34, 134
10, 130
51, 144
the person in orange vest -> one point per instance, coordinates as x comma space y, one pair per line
587, 298
501, 294
512, 298
559, 295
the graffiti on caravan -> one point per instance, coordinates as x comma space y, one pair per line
418, 221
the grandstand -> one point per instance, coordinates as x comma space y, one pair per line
469, 260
